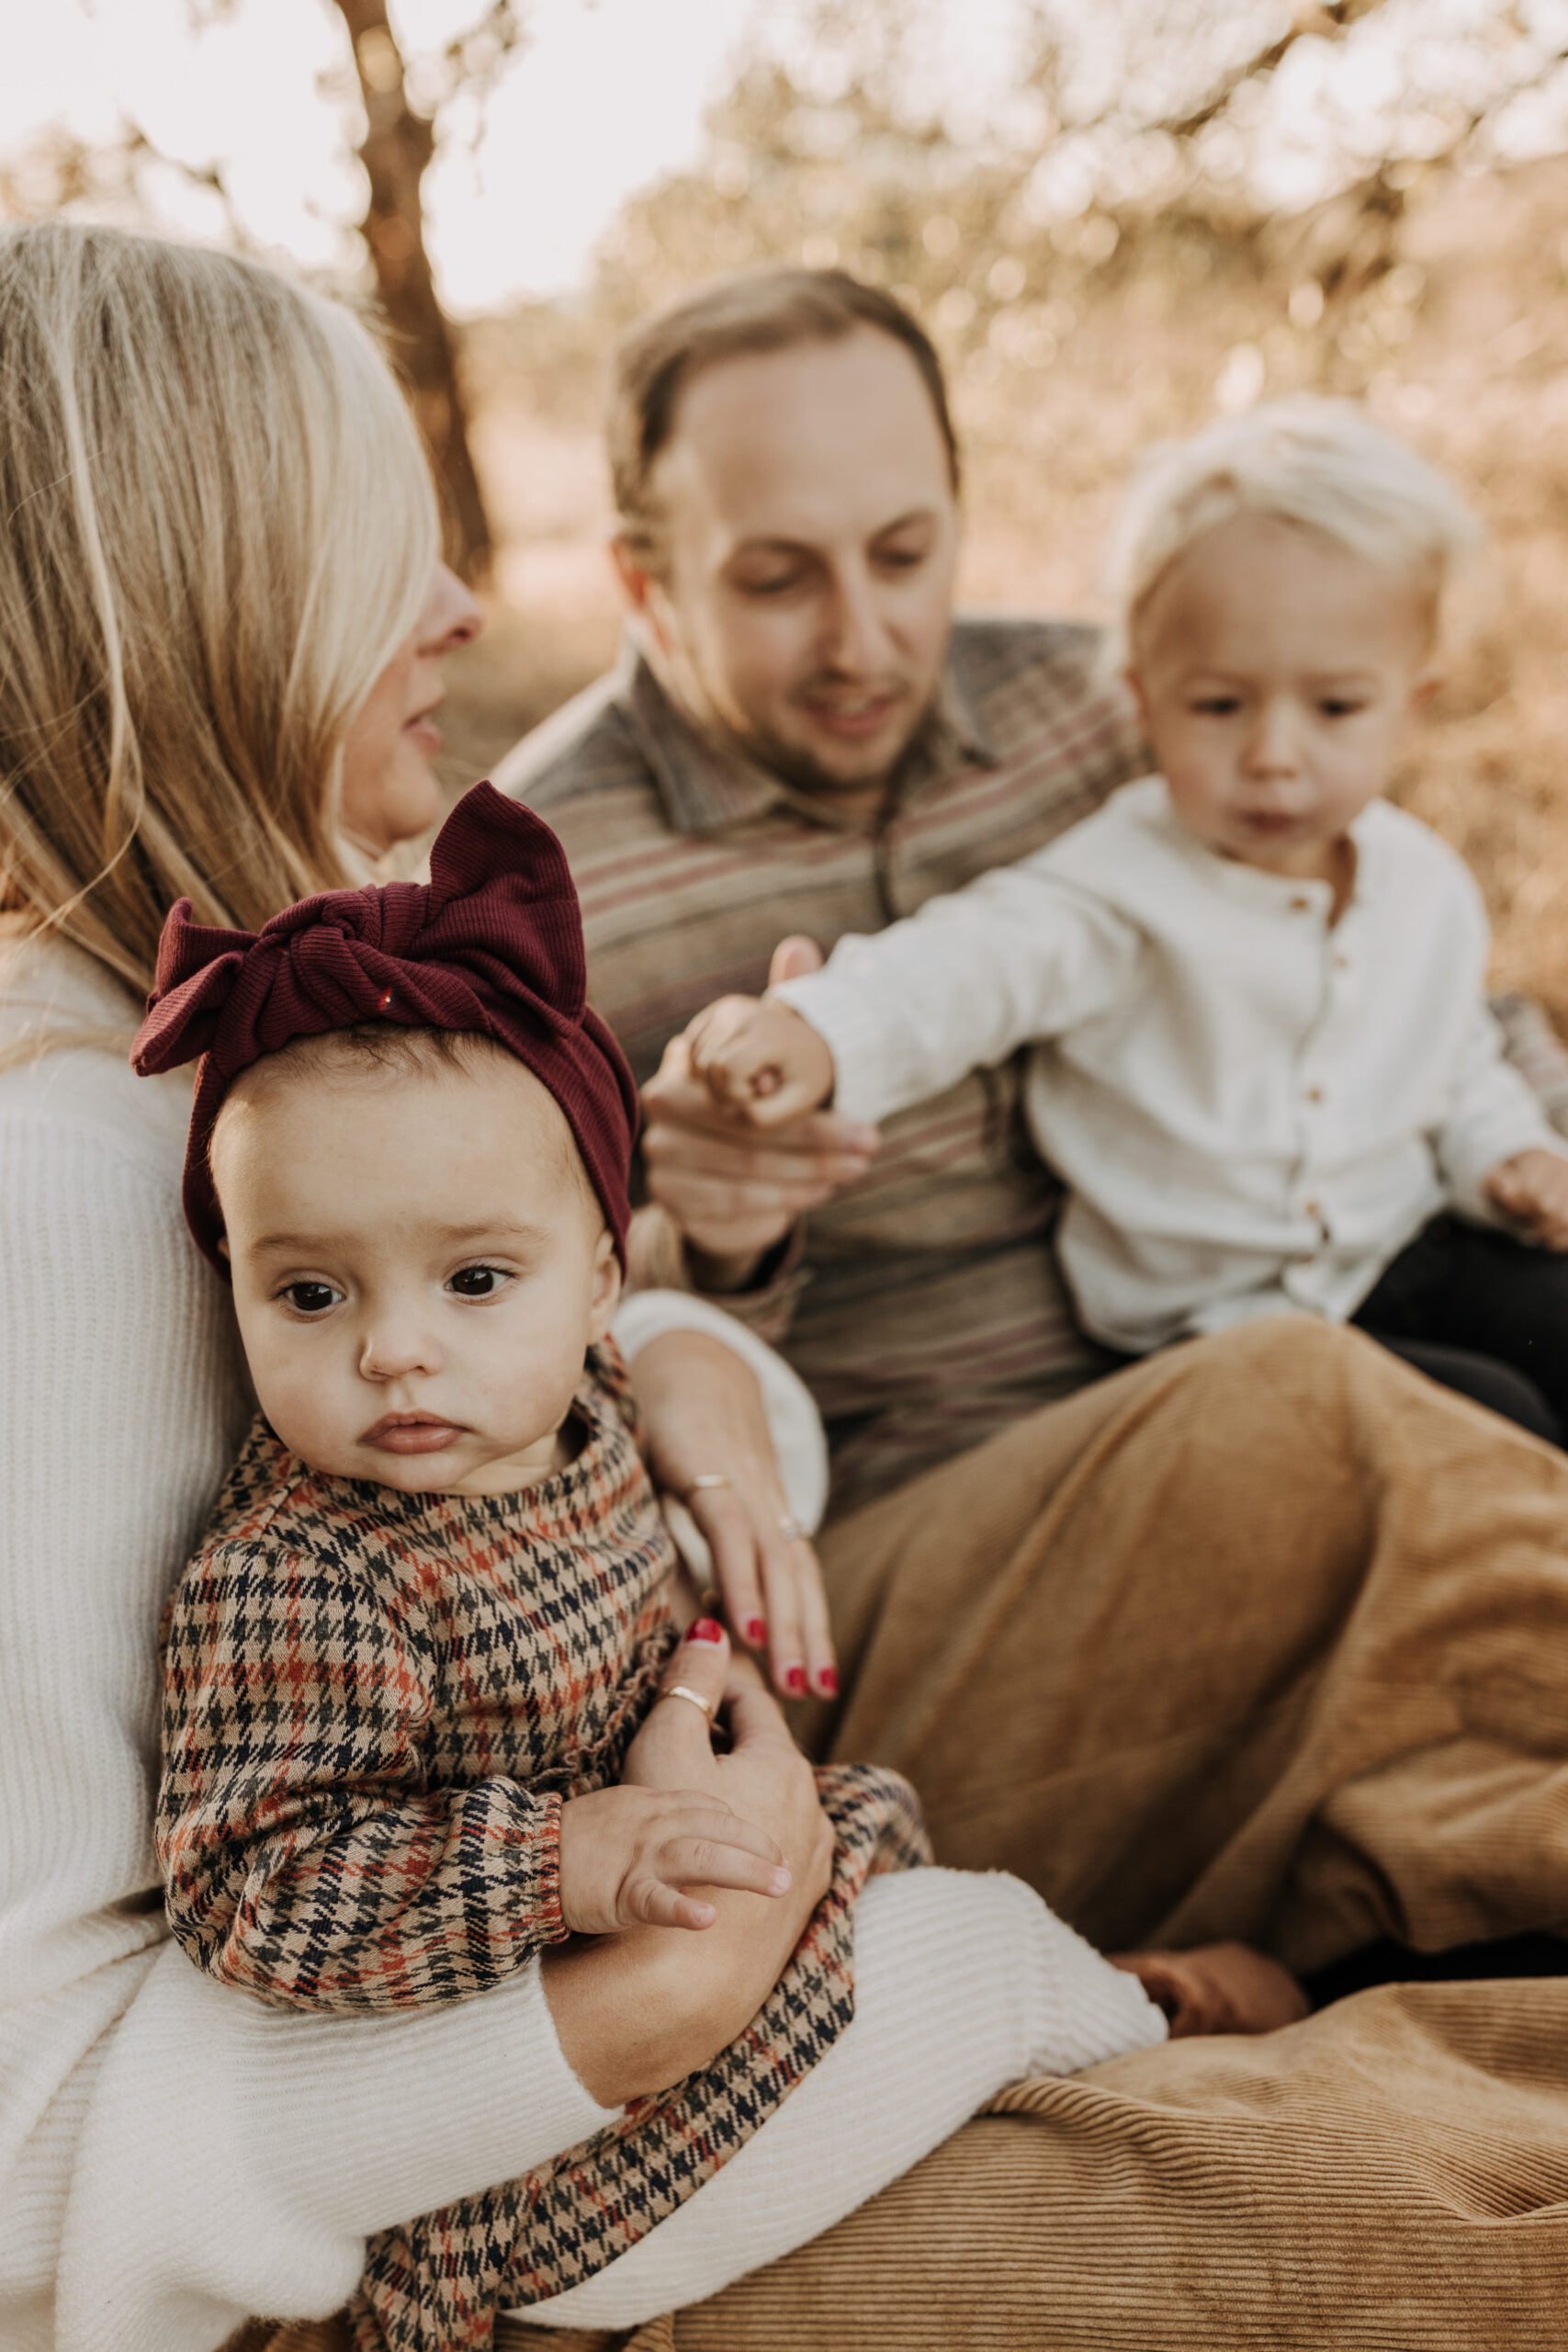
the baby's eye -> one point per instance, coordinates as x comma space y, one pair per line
478, 1281
1339, 706
309, 1298
1217, 706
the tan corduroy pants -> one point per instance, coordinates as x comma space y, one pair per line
1266, 1637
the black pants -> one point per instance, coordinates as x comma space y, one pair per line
1484, 1314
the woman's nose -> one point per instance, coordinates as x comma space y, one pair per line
452, 615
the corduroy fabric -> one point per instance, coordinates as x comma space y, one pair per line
490, 944
1266, 1636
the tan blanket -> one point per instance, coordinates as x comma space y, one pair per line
1266, 1637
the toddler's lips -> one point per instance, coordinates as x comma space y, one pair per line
411, 1433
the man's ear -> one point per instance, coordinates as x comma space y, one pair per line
606, 1286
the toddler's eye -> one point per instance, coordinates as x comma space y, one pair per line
1338, 707
310, 1298
1217, 706
477, 1281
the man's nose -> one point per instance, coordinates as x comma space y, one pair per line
858, 639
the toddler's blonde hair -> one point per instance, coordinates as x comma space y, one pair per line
1321, 464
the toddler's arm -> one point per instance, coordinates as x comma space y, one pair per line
1023, 953
1532, 1189
1496, 1148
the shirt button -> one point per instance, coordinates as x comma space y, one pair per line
1314, 1094
1301, 906
1310, 1208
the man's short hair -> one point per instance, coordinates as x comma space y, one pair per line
752, 311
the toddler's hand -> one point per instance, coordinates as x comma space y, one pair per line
759, 1058
627, 1856
1532, 1188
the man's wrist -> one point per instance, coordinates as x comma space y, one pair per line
726, 1276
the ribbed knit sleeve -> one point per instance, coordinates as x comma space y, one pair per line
305, 1855
174, 2158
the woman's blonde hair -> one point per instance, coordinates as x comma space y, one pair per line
1321, 464
219, 525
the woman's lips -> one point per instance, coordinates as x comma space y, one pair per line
411, 1433
424, 732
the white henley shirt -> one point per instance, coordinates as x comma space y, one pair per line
1253, 1107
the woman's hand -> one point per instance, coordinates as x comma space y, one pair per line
703, 1418
636, 2012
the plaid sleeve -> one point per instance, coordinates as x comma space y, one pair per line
305, 1854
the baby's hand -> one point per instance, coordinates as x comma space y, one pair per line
628, 1854
759, 1058
1532, 1188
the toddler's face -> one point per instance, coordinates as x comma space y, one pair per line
420, 1264
1277, 673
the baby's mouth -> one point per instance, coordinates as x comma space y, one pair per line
411, 1433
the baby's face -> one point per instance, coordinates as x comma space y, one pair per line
1277, 673
419, 1265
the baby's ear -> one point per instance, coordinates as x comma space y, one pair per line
606, 1285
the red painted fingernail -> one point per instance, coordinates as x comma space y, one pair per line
795, 1682
706, 1629
828, 1681
756, 1630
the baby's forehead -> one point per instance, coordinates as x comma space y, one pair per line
455, 1111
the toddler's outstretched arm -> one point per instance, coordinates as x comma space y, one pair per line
760, 1059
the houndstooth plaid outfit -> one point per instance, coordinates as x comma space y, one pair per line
374, 1705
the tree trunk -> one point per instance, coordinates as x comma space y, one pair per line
397, 147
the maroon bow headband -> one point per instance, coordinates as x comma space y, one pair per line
492, 943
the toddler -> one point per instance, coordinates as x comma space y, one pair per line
1262, 1057
431, 1611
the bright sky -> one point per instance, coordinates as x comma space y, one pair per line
608, 94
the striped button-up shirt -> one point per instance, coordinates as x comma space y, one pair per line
923, 1309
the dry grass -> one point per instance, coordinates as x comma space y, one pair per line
1464, 348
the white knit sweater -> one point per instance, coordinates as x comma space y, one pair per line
173, 2157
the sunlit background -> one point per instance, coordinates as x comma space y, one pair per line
1114, 216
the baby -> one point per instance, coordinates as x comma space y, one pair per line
431, 1611
1262, 1059
432, 1608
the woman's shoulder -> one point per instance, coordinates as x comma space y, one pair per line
65, 1077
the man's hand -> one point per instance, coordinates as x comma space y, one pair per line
628, 1855
761, 1059
733, 1193
1532, 1188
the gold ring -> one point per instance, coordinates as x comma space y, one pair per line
679, 1691
704, 1481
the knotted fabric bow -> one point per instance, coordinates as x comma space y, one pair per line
492, 944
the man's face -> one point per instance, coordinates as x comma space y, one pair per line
811, 537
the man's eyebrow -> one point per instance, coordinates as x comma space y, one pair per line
778, 543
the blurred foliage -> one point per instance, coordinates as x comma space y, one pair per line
1131, 141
